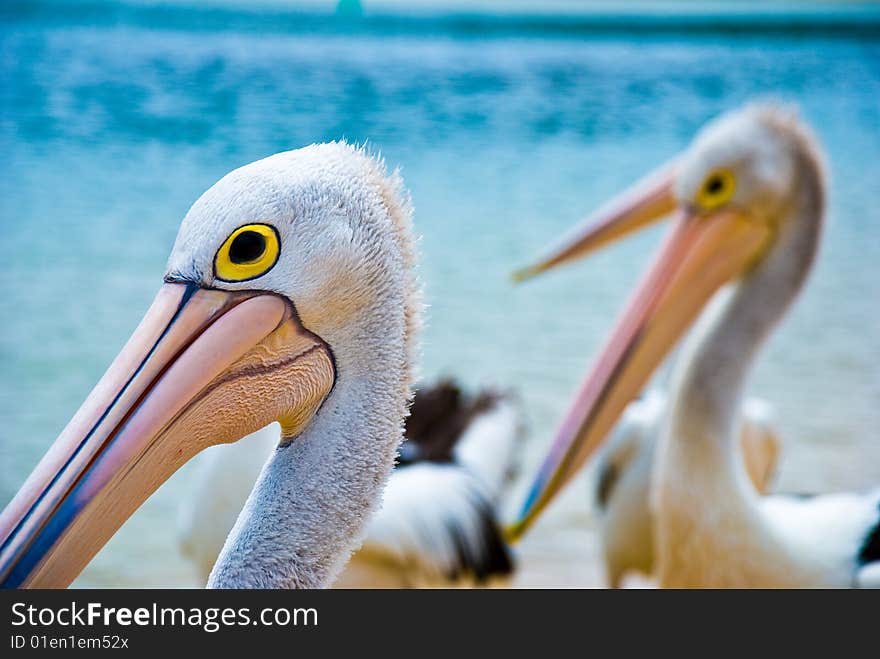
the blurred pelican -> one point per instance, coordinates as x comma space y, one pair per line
624, 478
437, 526
290, 296
749, 202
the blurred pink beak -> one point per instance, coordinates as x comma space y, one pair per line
180, 384
703, 251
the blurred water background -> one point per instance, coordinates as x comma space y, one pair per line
509, 123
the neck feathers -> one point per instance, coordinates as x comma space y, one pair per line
702, 490
719, 355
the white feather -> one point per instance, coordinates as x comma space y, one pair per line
488, 444
825, 527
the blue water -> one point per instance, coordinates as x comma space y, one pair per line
116, 117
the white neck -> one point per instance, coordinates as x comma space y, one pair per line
708, 384
309, 508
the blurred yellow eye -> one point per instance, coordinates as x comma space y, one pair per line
717, 189
249, 252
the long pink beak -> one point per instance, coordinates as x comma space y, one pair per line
702, 252
174, 389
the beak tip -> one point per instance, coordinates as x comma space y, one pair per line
513, 532
521, 275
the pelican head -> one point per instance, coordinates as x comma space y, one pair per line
734, 198
288, 288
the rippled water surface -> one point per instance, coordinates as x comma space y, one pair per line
111, 128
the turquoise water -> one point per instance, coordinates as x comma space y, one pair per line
114, 120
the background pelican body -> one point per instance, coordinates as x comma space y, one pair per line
625, 466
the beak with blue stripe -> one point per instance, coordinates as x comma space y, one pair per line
184, 381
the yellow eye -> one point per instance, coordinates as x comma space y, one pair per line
717, 189
249, 252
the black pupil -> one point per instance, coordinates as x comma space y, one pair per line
715, 185
248, 246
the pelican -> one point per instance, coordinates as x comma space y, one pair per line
437, 526
748, 205
290, 297
624, 475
